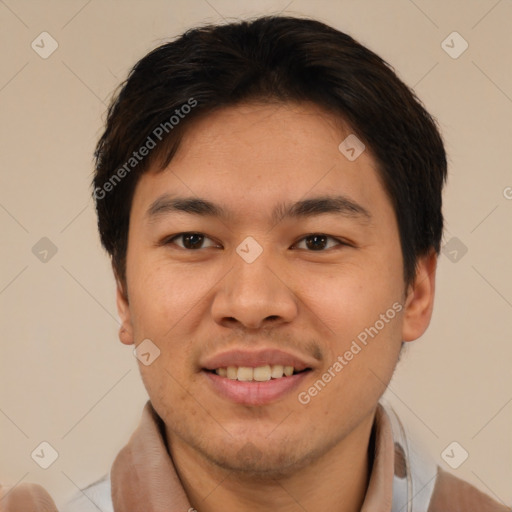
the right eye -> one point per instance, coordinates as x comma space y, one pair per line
190, 240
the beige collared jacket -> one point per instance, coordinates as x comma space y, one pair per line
143, 479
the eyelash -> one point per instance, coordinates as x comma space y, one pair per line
169, 240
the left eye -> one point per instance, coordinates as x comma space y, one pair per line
318, 241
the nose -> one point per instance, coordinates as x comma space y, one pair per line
255, 295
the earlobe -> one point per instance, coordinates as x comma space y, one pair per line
123, 309
420, 298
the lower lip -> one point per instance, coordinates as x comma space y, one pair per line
255, 393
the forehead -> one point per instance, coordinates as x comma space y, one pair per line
272, 132
253, 156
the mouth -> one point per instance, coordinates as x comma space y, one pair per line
258, 374
246, 390
256, 377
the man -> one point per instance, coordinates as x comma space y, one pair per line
270, 195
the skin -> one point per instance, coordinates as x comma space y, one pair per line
193, 303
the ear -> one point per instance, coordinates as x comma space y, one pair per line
123, 309
420, 298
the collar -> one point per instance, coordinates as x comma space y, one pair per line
143, 476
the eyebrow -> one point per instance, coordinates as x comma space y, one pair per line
311, 207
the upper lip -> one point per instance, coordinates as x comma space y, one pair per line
255, 358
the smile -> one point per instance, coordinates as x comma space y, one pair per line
258, 374
245, 389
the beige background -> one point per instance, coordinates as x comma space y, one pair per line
65, 377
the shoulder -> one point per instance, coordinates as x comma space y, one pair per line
420, 482
93, 497
454, 495
24, 497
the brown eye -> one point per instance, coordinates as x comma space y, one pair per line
318, 241
190, 241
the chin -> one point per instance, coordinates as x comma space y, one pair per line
260, 462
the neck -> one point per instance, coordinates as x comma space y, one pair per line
336, 480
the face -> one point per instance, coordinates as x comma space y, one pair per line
262, 247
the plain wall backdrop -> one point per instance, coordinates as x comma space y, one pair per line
65, 377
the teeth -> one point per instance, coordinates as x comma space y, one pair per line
288, 370
262, 373
258, 374
245, 373
223, 372
277, 371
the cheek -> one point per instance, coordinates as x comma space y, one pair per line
163, 384
349, 299
162, 294
168, 304
361, 306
